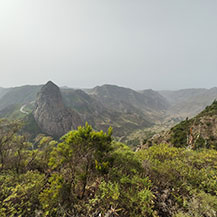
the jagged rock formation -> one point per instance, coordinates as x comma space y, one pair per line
50, 113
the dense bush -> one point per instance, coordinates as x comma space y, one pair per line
183, 180
88, 174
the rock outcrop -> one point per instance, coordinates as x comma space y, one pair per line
51, 114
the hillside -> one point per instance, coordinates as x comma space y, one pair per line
194, 133
88, 174
188, 102
22, 101
3, 91
101, 115
113, 96
131, 113
19, 95
198, 132
155, 100
177, 96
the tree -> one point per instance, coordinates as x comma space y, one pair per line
8, 132
82, 155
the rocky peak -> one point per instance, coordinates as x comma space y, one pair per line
50, 95
51, 114
50, 87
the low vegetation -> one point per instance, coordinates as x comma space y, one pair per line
198, 132
184, 181
86, 173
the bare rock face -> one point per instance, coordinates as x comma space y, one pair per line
51, 114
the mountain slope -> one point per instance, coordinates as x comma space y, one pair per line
19, 95
101, 116
3, 91
122, 108
155, 100
189, 102
198, 132
89, 108
177, 96
144, 100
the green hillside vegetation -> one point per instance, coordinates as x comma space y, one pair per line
87, 174
19, 95
184, 181
30, 127
12, 99
203, 129
12, 112
210, 110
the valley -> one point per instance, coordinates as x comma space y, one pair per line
134, 115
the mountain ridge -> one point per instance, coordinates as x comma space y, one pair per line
124, 109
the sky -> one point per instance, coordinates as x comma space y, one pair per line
141, 44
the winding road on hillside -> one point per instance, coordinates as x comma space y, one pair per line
22, 108
23, 111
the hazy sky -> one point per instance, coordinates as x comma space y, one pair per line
158, 44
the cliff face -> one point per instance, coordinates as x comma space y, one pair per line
50, 113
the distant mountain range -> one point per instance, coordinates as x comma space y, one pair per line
189, 102
124, 109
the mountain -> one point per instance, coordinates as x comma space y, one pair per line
147, 103
101, 115
114, 96
50, 113
177, 96
200, 131
19, 95
20, 102
126, 110
194, 133
82, 102
155, 100
12, 99
188, 102
3, 91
